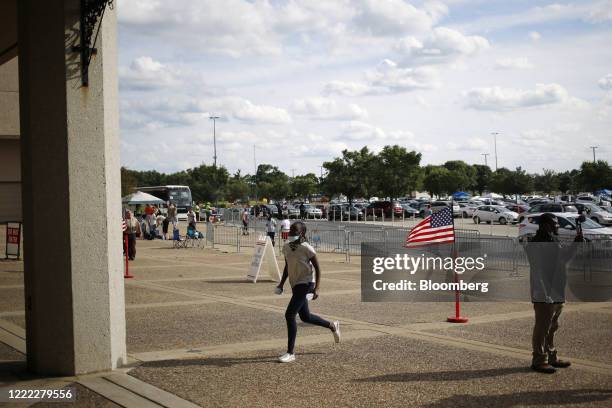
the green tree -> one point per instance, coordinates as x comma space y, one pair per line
436, 180
397, 171
271, 183
238, 187
547, 182
351, 175
304, 186
461, 175
595, 175
482, 178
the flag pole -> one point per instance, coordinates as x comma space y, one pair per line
457, 318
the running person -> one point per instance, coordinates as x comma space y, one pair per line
300, 258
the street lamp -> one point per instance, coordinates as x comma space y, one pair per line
485, 156
593, 148
214, 119
495, 145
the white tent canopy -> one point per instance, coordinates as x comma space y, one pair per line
140, 198
492, 195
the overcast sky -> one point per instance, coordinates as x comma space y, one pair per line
304, 79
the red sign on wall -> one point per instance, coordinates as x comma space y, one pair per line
13, 239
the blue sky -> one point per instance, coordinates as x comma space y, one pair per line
301, 80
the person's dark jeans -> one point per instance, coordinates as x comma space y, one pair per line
299, 305
131, 246
271, 235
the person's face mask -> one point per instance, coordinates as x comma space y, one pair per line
293, 238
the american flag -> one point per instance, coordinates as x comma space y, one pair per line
435, 229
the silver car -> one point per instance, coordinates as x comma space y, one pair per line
494, 213
567, 227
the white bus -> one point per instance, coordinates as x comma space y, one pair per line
180, 196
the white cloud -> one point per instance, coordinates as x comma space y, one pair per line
327, 109
535, 36
387, 78
601, 12
469, 144
441, 46
245, 111
144, 73
506, 99
375, 137
393, 17
605, 83
513, 63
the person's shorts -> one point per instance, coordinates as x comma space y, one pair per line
285, 235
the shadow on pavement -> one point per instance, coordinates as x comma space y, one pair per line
456, 375
216, 361
548, 398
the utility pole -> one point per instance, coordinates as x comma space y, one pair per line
495, 145
321, 167
214, 119
292, 173
485, 156
594, 147
254, 161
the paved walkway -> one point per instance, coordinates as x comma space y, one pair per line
199, 334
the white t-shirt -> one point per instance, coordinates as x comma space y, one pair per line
299, 267
271, 225
285, 224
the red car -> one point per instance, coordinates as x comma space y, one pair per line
377, 208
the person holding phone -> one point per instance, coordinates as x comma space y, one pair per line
300, 259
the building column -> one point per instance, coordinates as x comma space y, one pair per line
74, 294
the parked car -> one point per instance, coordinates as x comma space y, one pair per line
591, 230
494, 213
312, 212
587, 199
344, 212
386, 208
549, 207
467, 209
435, 207
595, 212
517, 208
409, 210
292, 211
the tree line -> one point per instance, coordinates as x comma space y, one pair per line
392, 172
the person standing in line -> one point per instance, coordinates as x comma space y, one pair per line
548, 260
300, 258
302, 211
172, 214
197, 212
132, 230
271, 228
191, 218
165, 224
245, 221
285, 225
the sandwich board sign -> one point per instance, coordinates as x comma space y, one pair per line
264, 256
13, 239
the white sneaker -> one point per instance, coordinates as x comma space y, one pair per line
286, 358
337, 331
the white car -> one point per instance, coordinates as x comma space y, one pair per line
567, 227
467, 209
494, 213
596, 213
586, 199
312, 211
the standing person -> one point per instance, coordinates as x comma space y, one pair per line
271, 228
159, 223
428, 211
245, 221
285, 225
165, 224
197, 212
279, 208
172, 214
191, 218
132, 229
300, 258
302, 211
548, 261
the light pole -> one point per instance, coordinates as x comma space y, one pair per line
594, 147
495, 145
214, 119
485, 156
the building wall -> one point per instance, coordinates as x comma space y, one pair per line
10, 156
